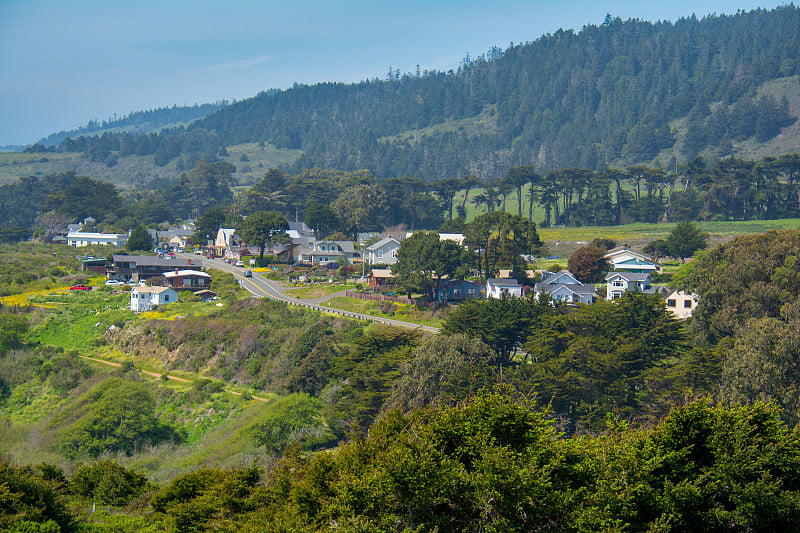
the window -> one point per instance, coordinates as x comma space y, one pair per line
617, 284
687, 304
380, 254
166, 297
671, 303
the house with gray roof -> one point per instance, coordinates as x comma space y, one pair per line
383, 252
142, 267
503, 288
329, 251
565, 287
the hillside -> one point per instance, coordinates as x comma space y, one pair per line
621, 93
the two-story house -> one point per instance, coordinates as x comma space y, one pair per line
621, 282
565, 287
383, 252
503, 288
141, 267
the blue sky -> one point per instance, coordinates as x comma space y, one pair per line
65, 62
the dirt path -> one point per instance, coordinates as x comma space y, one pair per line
158, 376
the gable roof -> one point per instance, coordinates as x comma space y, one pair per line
558, 278
381, 273
503, 282
628, 276
181, 273
151, 290
383, 242
571, 287
623, 251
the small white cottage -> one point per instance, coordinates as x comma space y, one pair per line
146, 298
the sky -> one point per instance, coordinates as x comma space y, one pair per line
66, 62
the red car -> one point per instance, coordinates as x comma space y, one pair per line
80, 287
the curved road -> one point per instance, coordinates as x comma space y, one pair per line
261, 287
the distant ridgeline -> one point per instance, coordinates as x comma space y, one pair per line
140, 122
618, 94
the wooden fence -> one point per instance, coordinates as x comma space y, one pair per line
378, 297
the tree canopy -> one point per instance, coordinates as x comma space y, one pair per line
262, 227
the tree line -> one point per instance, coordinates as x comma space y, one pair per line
335, 202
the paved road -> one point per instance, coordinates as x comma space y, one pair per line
261, 287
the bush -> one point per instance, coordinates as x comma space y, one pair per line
107, 482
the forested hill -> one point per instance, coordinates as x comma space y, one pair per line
617, 94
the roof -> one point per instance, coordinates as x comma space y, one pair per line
446, 283
382, 242
345, 246
503, 282
577, 289
620, 250
553, 278
151, 290
381, 273
154, 260
88, 235
628, 276
180, 273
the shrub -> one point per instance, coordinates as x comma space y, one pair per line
107, 482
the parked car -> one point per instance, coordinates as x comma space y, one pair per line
248, 273
80, 287
239, 263
114, 282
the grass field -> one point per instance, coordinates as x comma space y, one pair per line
717, 230
318, 291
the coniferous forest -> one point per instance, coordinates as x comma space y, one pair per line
618, 94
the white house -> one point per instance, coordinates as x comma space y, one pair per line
226, 237
623, 259
457, 238
681, 304
383, 252
620, 282
145, 298
81, 238
503, 288
564, 287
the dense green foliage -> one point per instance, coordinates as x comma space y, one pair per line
423, 261
116, 415
263, 227
749, 300
491, 464
139, 240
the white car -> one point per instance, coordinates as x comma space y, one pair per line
114, 283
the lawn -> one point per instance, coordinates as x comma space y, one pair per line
318, 291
